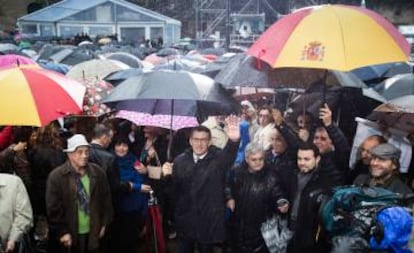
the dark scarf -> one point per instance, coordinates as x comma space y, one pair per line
83, 197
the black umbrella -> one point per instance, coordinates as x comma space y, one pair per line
397, 86
172, 92
118, 77
245, 70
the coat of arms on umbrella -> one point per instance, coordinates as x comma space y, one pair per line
314, 51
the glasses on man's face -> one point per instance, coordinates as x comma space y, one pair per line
263, 115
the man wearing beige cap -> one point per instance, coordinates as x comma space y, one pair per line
78, 201
383, 169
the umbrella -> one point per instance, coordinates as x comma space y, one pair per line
252, 93
246, 70
10, 60
242, 70
8, 47
165, 52
95, 69
127, 58
213, 51
358, 102
164, 121
184, 93
58, 67
121, 75
69, 55
396, 86
397, 113
96, 91
331, 37
382, 71
35, 96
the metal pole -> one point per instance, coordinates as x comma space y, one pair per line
227, 24
197, 9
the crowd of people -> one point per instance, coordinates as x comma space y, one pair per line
86, 188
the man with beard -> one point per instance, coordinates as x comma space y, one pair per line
383, 169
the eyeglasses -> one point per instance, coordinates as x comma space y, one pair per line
263, 115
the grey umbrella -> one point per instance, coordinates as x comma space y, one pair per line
127, 58
397, 86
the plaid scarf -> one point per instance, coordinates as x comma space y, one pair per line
83, 197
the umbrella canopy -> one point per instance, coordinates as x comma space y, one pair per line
10, 60
4, 47
382, 70
252, 93
331, 37
164, 121
246, 70
96, 91
397, 86
95, 69
120, 76
35, 96
127, 58
172, 92
69, 55
397, 113
58, 67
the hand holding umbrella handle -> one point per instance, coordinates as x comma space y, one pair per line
325, 115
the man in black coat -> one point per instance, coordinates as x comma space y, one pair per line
198, 178
306, 184
101, 139
333, 147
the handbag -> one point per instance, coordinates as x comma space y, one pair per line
276, 234
155, 172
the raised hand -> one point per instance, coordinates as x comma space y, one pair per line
325, 114
233, 127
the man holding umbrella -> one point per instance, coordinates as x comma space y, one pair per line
198, 178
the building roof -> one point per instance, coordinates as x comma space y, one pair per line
67, 8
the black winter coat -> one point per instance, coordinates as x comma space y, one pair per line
305, 234
106, 161
199, 193
256, 196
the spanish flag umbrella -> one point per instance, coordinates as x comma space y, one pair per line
337, 37
35, 96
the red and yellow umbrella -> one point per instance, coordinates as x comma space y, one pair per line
336, 37
35, 96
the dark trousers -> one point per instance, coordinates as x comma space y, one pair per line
130, 227
188, 246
